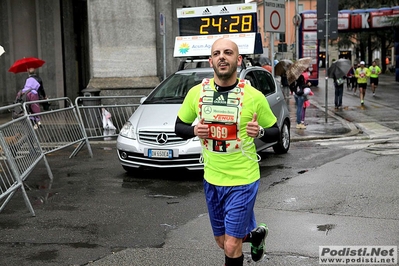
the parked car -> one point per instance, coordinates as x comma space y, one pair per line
148, 138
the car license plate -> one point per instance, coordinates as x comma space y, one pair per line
160, 153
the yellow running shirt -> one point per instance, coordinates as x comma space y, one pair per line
229, 154
362, 74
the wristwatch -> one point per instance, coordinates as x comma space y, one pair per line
261, 132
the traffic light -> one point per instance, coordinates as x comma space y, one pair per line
282, 47
282, 37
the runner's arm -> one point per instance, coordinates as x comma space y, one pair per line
272, 134
184, 130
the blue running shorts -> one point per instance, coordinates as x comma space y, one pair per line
231, 209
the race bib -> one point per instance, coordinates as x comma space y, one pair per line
222, 132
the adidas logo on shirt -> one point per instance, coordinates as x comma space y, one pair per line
220, 100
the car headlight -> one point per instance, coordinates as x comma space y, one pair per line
128, 131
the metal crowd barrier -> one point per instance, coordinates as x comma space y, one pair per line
60, 126
104, 116
20, 152
24, 141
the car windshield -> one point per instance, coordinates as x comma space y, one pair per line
175, 88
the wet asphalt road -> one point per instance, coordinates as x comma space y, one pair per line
92, 208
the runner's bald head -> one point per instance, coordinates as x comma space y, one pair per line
224, 43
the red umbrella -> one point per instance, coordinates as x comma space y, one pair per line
23, 64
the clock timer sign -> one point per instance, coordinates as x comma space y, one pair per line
223, 24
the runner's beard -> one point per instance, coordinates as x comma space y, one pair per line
225, 74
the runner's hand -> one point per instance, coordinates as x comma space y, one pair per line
253, 127
201, 129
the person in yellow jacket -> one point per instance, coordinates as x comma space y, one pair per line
362, 73
374, 72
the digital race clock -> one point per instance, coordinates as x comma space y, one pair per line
199, 27
224, 24
224, 19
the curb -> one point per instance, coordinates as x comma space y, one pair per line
353, 130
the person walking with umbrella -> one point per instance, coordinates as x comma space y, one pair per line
296, 75
339, 91
375, 71
40, 90
31, 90
362, 73
337, 71
280, 69
33, 84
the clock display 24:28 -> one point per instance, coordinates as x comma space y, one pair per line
225, 24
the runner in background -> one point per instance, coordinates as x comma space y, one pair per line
375, 71
362, 73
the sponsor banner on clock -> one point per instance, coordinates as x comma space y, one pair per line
187, 46
216, 10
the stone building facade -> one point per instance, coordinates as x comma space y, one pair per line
98, 46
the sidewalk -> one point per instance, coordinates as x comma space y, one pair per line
335, 126
317, 127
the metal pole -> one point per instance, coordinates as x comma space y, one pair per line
264, 22
327, 21
287, 36
296, 32
272, 51
164, 51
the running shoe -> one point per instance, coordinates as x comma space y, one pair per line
300, 126
259, 235
362, 102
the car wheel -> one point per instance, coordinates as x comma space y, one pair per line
283, 144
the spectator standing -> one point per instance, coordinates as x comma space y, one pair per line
231, 168
306, 92
339, 91
285, 85
375, 71
362, 73
351, 79
297, 88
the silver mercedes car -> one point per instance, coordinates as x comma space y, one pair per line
148, 140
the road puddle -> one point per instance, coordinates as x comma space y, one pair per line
326, 227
